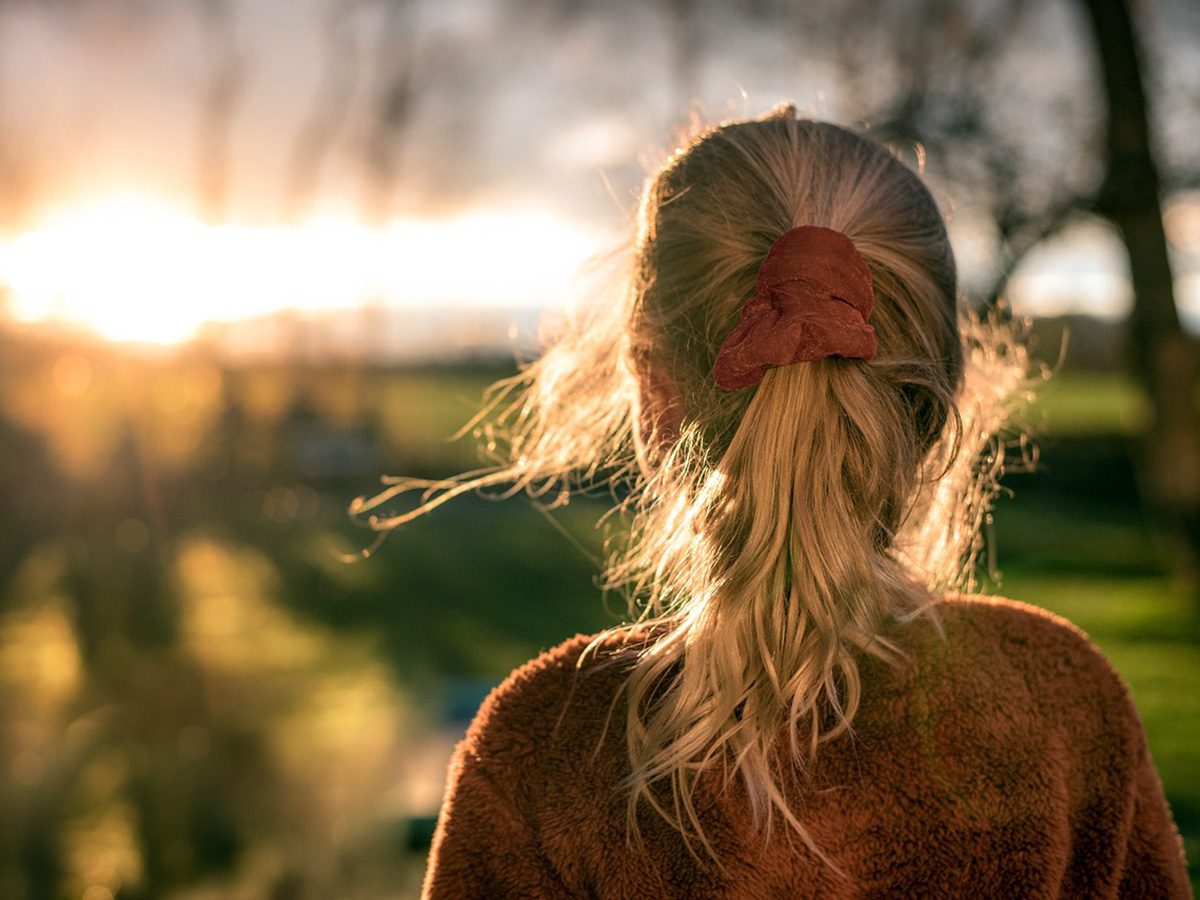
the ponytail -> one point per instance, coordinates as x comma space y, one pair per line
778, 532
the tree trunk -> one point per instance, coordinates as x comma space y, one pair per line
1162, 356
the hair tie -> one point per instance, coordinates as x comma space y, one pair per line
813, 298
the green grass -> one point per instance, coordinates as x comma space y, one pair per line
476, 588
1094, 560
420, 412
480, 587
1077, 403
1148, 630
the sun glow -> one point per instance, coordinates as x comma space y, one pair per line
137, 270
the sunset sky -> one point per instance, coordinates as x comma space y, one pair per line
134, 204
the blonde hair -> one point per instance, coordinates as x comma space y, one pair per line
776, 531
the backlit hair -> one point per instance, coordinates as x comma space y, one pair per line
775, 531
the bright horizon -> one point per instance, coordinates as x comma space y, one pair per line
134, 269
512, 163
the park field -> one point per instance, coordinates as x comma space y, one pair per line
1068, 537
203, 697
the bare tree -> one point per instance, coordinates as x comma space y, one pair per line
940, 74
1162, 356
393, 103
336, 86
218, 106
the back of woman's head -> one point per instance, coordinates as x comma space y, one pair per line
779, 529
767, 544
707, 221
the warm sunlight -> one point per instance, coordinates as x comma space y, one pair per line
136, 270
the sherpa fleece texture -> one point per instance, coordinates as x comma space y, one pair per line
1004, 760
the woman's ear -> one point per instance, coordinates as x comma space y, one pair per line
660, 406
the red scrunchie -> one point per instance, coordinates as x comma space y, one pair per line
814, 296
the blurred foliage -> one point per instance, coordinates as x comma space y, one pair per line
200, 697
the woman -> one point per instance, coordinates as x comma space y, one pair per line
805, 709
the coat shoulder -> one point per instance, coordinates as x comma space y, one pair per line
528, 712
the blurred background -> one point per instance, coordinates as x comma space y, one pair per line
256, 253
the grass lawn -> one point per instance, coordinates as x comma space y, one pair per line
465, 594
1148, 631
1073, 540
1070, 538
452, 602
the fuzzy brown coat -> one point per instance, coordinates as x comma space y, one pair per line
1005, 760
